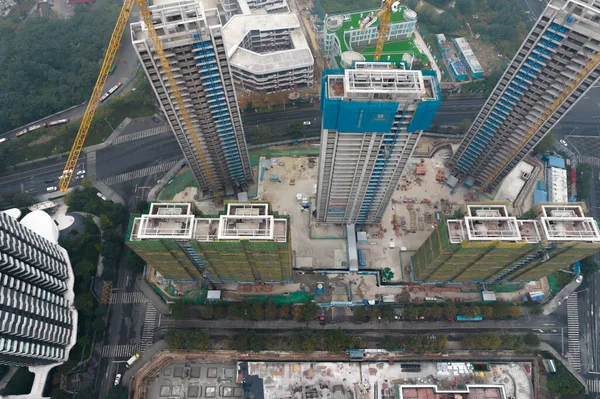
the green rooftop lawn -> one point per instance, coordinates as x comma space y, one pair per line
394, 49
355, 18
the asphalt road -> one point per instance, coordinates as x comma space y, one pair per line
534, 8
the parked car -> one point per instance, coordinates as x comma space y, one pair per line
80, 172
117, 379
155, 119
563, 142
306, 123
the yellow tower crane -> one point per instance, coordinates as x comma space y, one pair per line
384, 15
104, 70
591, 64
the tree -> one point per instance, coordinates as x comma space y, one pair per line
450, 310
589, 266
259, 134
563, 383
487, 312
84, 303
411, 312
271, 312
531, 339
584, 177
297, 313
105, 222
437, 312
309, 310
118, 392
258, 312
546, 143
514, 311
134, 263
179, 310
500, 310
283, 312
387, 312
84, 269
389, 343
465, 7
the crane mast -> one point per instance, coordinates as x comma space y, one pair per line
109, 58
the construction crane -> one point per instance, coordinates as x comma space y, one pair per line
104, 71
383, 14
591, 64
88, 116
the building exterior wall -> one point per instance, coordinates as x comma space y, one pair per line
365, 146
193, 43
493, 261
216, 260
38, 322
560, 44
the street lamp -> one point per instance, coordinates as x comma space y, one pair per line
109, 125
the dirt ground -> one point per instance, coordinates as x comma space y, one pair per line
487, 55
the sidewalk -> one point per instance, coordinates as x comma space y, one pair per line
555, 302
148, 355
157, 301
545, 347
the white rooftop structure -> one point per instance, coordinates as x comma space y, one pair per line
484, 223
243, 221
567, 223
369, 77
237, 34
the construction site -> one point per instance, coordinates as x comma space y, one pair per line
173, 374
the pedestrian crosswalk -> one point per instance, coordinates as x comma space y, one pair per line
123, 351
149, 325
595, 161
128, 297
593, 385
573, 331
141, 134
136, 174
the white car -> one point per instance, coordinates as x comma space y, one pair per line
563, 142
306, 123
80, 172
117, 379
578, 279
51, 189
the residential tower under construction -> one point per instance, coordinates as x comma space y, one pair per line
244, 244
554, 68
488, 245
209, 130
373, 116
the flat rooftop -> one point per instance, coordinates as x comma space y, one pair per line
567, 223
241, 221
239, 26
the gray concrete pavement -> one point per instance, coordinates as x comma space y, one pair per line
551, 306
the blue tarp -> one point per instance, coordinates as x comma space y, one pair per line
466, 318
539, 196
556, 162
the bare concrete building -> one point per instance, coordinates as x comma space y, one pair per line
193, 43
268, 53
554, 68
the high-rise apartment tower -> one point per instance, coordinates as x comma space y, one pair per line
489, 245
38, 322
193, 44
246, 243
556, 65
373, 116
